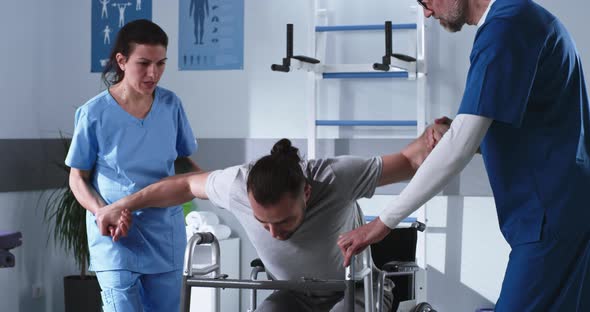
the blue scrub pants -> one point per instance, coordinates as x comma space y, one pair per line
126, 291
552, 274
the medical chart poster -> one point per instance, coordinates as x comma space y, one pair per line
211, 34
108, 16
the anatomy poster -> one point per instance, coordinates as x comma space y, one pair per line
108, 16
211, 34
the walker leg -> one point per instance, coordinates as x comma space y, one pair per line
185, 296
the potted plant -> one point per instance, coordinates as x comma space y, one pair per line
67, 222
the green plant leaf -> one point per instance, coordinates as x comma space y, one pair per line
67, 220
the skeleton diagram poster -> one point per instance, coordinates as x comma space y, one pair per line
108, 16
211, 34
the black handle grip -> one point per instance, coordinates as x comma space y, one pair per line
256, 263
289, 40
419, 226
388, 42
281, 68
403, 57
306, 59
206, 238
388, 50
6, 259
382, 67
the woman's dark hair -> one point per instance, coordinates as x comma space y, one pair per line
276, 174
136, 32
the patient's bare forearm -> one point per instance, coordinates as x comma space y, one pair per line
168, 192
396, 168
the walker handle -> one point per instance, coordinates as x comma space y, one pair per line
205, 238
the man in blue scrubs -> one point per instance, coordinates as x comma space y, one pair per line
525, 105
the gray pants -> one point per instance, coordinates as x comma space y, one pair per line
291, 301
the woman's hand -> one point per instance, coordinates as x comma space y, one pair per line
123, 226
113, 221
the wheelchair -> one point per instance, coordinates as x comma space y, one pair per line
399, 265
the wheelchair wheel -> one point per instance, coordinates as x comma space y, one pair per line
423, 307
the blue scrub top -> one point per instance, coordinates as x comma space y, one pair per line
527, 76
125, 155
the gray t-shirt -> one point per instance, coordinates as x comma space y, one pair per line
312, 252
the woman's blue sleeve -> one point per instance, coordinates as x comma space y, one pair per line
84, 146
186, 144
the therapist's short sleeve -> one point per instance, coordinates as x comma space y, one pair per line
219, 184
186, 144
503, 67
84, 146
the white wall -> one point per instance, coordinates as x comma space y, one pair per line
53, 70
46, 73
466, 253
18, 74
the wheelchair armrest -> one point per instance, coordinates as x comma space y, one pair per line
256, 263
400, 266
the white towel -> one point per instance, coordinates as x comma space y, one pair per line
193, 218
189, 233
220, 231
208, 218
201, 218
192, 228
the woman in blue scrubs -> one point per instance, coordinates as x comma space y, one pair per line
525, 104
125, 138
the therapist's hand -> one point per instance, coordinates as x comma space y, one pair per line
355, 241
